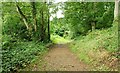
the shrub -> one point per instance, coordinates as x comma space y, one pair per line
16, 54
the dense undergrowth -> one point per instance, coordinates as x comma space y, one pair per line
18, 53
98, 48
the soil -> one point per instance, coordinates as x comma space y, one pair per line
60, 58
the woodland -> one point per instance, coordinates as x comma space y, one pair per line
34, 38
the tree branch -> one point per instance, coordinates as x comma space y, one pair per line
22, 15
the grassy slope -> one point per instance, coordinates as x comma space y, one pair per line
98, 48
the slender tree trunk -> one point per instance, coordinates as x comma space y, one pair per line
23, 16
48, 25
34, 12
116, 9
42, 26
93, 20
93, 26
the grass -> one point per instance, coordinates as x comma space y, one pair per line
97, 46
59, 40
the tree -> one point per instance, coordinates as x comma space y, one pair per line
22, 15
42, 26
48, 24
85, 16
116, 9
27, 20
34, 12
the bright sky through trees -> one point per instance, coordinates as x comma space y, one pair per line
59, 12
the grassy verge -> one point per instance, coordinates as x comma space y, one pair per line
98, 48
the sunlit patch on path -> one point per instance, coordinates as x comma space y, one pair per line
59, 40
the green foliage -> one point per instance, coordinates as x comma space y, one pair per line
87, 47
81, 15
13, 23
19, 45
59, 27
17, 54
58, 39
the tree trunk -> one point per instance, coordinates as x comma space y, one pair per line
116, 9
42, 26
34, 12
48, 26
22, 15
93, 26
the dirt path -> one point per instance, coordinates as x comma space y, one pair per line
60, 58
